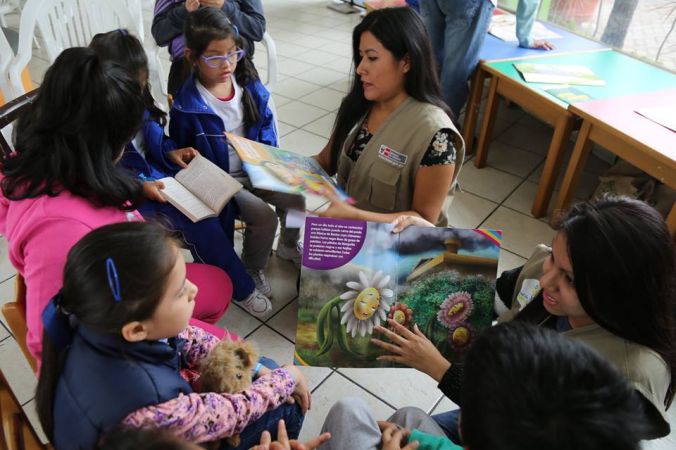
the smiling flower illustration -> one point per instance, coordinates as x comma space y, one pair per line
402, 314
366, 303
455, 308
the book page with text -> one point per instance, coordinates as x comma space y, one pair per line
209, 183
184, 200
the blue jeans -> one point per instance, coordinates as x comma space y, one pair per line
457, 29
449, 421
251, 435
208, 240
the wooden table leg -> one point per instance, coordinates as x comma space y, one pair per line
583, 147
472, 110
492, 104
552, 164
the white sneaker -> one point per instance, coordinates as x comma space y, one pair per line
256, 304
261, 282
293, 254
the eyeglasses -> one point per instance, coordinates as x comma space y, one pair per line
217, 62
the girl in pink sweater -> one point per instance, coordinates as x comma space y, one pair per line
62, 181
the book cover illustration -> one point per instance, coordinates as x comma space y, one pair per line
568, 94
280, 170
558, 74
357, 275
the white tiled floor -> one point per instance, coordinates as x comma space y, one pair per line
313, 45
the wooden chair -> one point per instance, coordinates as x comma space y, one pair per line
15, 314
16, 432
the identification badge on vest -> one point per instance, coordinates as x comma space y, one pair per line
391, 156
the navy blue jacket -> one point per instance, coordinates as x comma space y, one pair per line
106, 378
194, 124
155, 164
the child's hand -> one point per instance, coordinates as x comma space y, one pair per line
182, 156
301, 393
283, 442
394, 436
213, 3
151, 191
192, 5
402, 222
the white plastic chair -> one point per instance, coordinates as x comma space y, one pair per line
7, 6
158, 81
6, 56
271, 82
271, 50
63, 24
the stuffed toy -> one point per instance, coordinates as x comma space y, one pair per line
229, 369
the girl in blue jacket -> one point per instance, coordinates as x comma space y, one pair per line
152, 156
223, 94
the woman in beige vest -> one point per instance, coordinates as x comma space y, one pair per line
608, 281
394, 146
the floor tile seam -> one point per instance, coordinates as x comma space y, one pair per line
332, 370
437, 403
312, 132
279, 311
326, 113
364, 388
8, 278
298, 79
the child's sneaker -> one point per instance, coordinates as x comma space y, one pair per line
256, 304
292, 254
261, 282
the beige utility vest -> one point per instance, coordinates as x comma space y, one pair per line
383, 177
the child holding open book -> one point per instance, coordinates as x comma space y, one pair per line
223, 94
209, 240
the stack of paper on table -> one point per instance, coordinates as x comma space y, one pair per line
503, 27
558, 74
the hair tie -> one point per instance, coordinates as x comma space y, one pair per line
234, 27
57, 323
113, 280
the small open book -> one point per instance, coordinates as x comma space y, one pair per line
201, 190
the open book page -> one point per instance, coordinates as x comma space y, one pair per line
558, 74
280, 170
185, 201
209, 183
356, 275
503, 27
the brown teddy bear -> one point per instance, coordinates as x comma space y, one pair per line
228, 368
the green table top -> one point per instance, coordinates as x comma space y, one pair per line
623, 74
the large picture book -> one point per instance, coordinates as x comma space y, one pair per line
558, 74
356, 275
201, 190
280, 170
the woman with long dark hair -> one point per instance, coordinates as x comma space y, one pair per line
608, 281
394, 147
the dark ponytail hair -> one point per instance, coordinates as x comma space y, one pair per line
125, 49
402, 32
75, 130
205, 25
625, 273
144, 255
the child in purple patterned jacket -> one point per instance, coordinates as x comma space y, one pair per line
117, 346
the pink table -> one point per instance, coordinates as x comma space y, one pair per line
614, 124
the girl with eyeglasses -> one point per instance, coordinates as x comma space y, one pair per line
224, 93
151, 155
